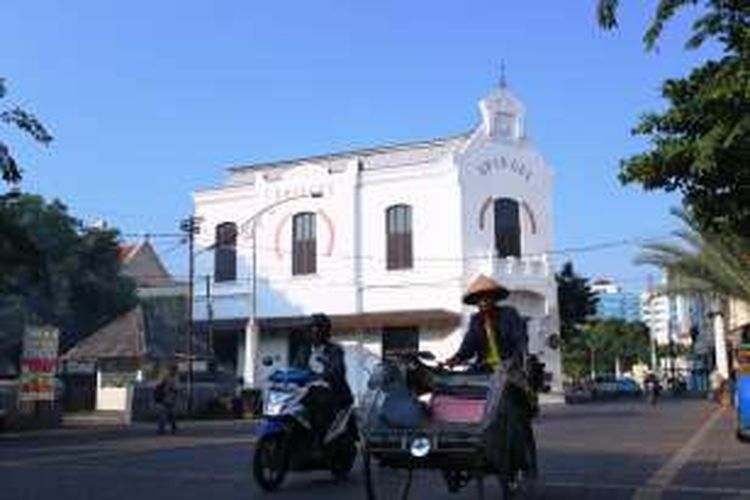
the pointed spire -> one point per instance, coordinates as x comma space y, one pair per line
503, 81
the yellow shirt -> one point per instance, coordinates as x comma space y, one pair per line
493, 351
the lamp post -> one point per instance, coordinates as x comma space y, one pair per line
252, 329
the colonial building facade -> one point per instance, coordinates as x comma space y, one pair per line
385, 240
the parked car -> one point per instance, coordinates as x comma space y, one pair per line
627, 387
608, 387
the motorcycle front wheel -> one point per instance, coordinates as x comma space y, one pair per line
270, 461
343, 460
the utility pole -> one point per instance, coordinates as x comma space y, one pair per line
191, 226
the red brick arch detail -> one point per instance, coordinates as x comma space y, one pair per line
326, 219
530, 215
483, 212
331, 231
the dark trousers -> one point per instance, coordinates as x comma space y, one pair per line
166, 415
321, 405
509, 437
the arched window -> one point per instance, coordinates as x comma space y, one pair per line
225, 252
303, 243
507, 228
398, 237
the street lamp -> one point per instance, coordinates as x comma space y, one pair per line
252, 223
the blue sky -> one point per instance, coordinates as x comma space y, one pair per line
150, 100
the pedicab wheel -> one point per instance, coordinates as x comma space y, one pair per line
520, 487
270, 462
386, 482
742, 436
344, 461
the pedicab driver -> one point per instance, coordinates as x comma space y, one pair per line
496, 341
496, 333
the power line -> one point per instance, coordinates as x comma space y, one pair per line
560, 251
147, 235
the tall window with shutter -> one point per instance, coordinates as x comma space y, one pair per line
507, 228
303, 244
225, 252
398, 237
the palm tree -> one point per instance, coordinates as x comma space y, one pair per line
716, 265
703, 262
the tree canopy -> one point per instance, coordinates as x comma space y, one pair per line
63, 274
700, 145
576, 303
611, 339
703, 261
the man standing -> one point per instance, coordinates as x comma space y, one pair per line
165, 397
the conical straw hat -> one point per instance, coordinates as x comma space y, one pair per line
484, 286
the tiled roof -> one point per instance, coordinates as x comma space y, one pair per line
155, 329
122, 338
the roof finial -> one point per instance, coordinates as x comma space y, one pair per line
503, 82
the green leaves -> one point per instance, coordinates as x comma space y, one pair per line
575, 300
576, 303
606, 14
611, 339
53, 270
703, 261
26, 122
700, 145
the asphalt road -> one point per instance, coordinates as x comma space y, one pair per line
676, 450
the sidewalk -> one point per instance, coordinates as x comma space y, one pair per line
95, 426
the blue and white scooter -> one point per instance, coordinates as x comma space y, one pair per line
286, 441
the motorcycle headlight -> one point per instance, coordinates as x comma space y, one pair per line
420, 447
274, 403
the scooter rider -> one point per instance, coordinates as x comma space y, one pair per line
326, 359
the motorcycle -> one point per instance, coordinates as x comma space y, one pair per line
286, 441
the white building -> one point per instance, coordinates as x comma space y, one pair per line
655, 312
385, 240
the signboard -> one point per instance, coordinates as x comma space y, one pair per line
39, 364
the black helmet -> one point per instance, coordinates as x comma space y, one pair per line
322, 321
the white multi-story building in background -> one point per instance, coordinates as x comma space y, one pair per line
385, 240
656, 312
681, 318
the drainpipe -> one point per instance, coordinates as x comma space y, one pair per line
359, 299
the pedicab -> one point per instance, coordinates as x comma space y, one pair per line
423, 423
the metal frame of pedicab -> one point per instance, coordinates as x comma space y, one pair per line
456, 450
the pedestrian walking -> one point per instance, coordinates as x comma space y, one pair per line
165, 397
